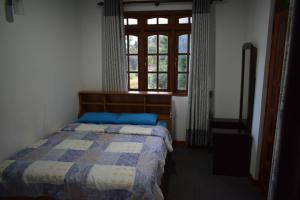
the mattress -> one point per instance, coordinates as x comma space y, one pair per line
90, 161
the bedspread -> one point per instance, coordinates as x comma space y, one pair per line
86, 161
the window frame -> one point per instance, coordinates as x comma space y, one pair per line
172, 29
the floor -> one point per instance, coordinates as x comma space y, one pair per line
191, 178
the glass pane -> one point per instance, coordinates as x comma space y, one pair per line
190, 43
163, 44
133, 44
163, 21
133, 81
182, 63
181, 85
163, 81
163, 63
132, 21
152, 44
191, 19
152, 21
125, 21
152, 81
184, 20
183, 43
133, 63
152, 63
126, 42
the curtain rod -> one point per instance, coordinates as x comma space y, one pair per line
156, 2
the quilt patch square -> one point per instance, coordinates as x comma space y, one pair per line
52, 172
124, 147
103, 177
71, 155
135, 130
128, 159
108, 158
74, 144
91, 128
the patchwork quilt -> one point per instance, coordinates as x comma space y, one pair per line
89, 161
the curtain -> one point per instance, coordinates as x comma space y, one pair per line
114, 58
197, 131
281, 116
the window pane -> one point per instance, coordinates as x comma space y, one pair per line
132, 21
152, 44
152, 63
126, 42
183, 43
152, 21
133, 63
163, 44
163, 63
152, 81
182, 63
181, 85
125, 21
191, 19
133, 44
184, 20
134, 81
163, 81
190, 43
163, 20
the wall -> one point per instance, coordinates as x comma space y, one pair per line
259, 33
39, 72
91, 43
231, 27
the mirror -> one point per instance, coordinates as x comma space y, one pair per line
247, 86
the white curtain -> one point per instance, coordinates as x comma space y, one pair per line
114, 75
198, 133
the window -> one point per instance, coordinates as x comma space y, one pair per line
183, 60
131, 42
130, 21
158, 49
185, 20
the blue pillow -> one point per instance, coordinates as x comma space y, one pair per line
163, 123
137, 119
99, 118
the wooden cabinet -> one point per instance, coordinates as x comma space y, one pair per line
231, 148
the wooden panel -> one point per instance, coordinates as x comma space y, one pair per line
273, 93
159, 103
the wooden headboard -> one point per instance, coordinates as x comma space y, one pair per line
159, 103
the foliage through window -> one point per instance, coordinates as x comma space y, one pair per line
158, 49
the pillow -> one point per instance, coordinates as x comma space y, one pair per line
162, 123
137, 119
99, 118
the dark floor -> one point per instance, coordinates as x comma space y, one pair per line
191, 178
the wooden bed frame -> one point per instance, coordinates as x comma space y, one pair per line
159, 103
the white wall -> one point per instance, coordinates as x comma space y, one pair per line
39, 72
259, 33
91, 44
231, 27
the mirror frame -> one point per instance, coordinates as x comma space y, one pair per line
252, 79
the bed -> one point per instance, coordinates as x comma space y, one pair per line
95, 161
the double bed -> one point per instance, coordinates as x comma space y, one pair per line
92, 160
